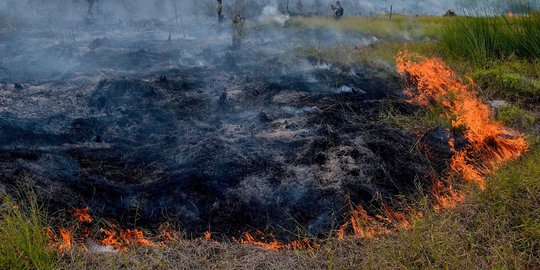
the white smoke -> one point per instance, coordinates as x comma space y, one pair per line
272, 15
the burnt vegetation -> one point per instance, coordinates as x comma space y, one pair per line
255, 122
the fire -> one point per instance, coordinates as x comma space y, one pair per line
207, 235
489, 143
110, 239
510, 14
168, 234
82, 215
431, 84
273, 244
135, 237
364, 225
66, 239
124, 238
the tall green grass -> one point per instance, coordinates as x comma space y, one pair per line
483, 38
23, 236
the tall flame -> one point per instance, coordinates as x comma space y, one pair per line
431, 83
489, 143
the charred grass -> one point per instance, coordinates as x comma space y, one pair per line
498, 228
495, 229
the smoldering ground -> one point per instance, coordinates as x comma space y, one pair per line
143, 128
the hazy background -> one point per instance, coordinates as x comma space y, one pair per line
52, 10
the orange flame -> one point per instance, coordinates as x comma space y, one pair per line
110, 239
67, 239
273, 244
82, 215
168, 234
510, 14
489, 143
365, 226
65, 242
207, 235
135, 237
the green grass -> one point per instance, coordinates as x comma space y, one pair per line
23, 236
495, 229
513, 115
481, 39
507, 84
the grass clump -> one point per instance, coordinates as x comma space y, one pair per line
513, 115
23, 236
508, 85
483, 38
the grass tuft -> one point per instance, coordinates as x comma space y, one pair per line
479, 39
23, 236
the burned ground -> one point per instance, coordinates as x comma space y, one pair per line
145, 131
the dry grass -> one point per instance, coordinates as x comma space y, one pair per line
202, 254
495, 229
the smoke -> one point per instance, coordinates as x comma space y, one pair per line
166, 10
271, 14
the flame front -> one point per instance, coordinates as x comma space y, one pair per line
489, 143
432, 84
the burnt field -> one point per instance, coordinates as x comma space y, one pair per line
145, 130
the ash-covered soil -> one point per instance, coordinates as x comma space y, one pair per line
145, 130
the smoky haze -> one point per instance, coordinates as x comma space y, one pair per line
164, 9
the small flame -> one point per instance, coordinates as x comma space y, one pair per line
65, 243
168, 234
110, 239
364, 225
510, 14
273, 244
82, 215
207, 235
135, 237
